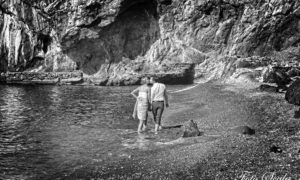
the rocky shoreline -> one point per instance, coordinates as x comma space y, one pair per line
42, 78
182, 73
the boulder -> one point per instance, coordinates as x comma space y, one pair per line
293, 72
277, 75
190, 129
292, 94
281, 79
268, 88
244, 130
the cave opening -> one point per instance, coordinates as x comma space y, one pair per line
135, 30
131, 35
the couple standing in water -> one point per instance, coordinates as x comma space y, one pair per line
151, 96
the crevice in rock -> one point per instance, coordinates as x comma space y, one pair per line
93, 11
94, 8
44, 41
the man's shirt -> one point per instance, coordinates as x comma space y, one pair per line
157, 92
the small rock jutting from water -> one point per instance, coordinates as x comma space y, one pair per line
244, 130
190, 129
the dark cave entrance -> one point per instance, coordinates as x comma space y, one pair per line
129, 36
138, 27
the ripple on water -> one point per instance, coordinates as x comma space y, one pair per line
48, 130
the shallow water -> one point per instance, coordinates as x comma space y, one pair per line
49, 129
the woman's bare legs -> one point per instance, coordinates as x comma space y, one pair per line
142, 126
139, 130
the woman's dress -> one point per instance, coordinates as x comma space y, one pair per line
142, 106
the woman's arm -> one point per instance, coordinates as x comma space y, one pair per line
135, 92
149, 94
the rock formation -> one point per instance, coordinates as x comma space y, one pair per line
292, 96
244, 130
190, 129
268, 88
115, 42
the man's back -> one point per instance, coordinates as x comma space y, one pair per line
157, 92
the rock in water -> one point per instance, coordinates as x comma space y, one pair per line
244, 130
292, 94
268, 88
281, 79
190, 129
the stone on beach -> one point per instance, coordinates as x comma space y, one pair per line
275, 149
190, 129
244, 130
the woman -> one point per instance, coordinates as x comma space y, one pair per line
142, 94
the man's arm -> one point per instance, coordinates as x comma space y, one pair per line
166, 98
151, 95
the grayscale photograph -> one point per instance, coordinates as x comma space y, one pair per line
149, 89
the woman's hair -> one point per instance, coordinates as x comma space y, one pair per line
145, 79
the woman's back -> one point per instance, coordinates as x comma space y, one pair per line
144, 91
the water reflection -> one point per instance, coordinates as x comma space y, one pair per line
12, 107
55, 97
50, 131
45, 130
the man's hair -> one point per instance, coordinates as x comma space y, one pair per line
155, 78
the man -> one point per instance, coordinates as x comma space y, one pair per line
159, 99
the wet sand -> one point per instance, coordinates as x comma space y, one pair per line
220, 153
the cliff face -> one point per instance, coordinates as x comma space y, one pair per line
117, 41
